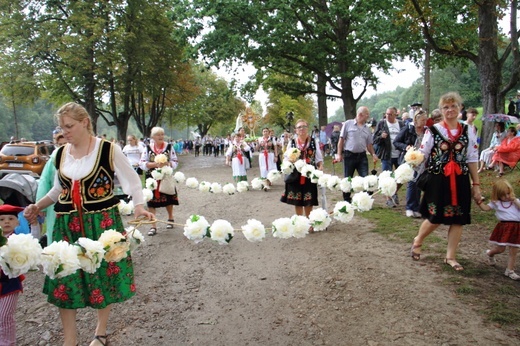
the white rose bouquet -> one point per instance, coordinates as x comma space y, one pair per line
196, 228
292, 154
204, 186
404, 173
287, 167
413, 157
20, 254
242, 186
319, 219
115, 245
343, 211
229, 189
221, 231
161, 158
301, 226
283, 228
358, 183
254, 230
60, 259
179, 177
362, 201
274, 175
90, 254
150, 184
192, 183
387, 185
215, 188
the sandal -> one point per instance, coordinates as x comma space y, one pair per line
490, 259
169, 226
454, 264
152, 231
415, 255
97, 339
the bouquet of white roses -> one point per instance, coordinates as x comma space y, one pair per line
20, 254
319, 219
161, 158
60, 259
196, 228
115, 245
343, 211
413, 157
221, 231
292, 154
90, 254
254, 230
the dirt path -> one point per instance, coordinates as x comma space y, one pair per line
345, 286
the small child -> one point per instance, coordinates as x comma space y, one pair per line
507, 231
9, 288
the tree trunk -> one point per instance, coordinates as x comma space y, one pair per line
322, 101
490, 68
347, 96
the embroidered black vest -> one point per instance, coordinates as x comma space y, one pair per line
443, 148
310, 152
97, 188
151, 156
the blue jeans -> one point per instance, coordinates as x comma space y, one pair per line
413, 195
354, 162
387, 164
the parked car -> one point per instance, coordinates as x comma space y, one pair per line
25, 157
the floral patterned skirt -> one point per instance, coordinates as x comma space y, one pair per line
303, 195
111, 283
436, 203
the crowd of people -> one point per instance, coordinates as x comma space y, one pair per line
447, 138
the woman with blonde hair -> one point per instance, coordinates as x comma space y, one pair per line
86, 206
451, 156
156, 147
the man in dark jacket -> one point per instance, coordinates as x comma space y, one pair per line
386, 131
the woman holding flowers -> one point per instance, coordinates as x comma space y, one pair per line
410, 138
268, 153
451, 156
158, 155
300, 191
236, 156
86, 207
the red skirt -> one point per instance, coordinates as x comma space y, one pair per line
506, 233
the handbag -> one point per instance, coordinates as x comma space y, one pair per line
422, 180
167, 185
293, 177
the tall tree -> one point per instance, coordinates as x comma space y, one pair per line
469, 31
339, 42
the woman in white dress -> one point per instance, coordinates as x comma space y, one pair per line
236, 158
267, 154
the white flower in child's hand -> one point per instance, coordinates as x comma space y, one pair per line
287, 167
404, 173
90, 254
343, 211
21, 254
387, 186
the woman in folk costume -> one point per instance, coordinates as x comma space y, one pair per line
267, 153
235, 156
86, 206
302, 193
148, 164
451, 156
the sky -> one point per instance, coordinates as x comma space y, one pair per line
404, 74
